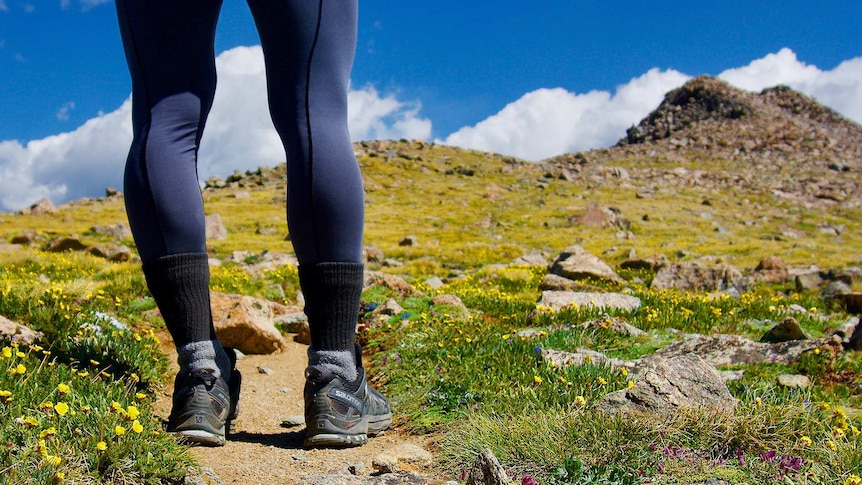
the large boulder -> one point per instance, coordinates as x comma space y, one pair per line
670, 384
16, 333
575, 263
247, 323
694, 276
558, 300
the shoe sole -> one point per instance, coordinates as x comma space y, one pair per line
376, 426
200, 437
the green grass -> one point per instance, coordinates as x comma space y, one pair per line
465, 376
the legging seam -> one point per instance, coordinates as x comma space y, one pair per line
146, 128
308, 128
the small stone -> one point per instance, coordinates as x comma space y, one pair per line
286, 390
794, 380
264, 370
299, 457
434, 282
357, 468
409, 241
789, 329
385, 463
486, 470
293, 421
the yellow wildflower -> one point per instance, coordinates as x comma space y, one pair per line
853, 480
85, 409
59, 476
42, 448
46, 406
48, 433
119, 430
831, 445
854, 430
61, 408
602, 381
20, 354
537, 379
63, 388
5, 396
133, 412
805, 440
137, 427
7, 352
838, 432
624, 372
140, 395
31, 421
630, 384
83, 374
19, 369
580, 401
758, 401
53, 460
101, 446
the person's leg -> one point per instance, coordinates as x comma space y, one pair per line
308, 48
169, 50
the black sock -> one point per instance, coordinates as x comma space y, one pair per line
180, 285
332, 296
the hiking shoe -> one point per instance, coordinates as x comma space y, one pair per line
340, 413
204, 406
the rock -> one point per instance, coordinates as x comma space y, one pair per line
258, 265
732, 375
558, 283
26, 238
789, 329
63, 244
794, 380
575, 263
42, 206
406, 457
667, 385
293, 421
448, 300
16, 333
264, 370
246, 323
852, 302
116, 254
114, 231
835, 289
215, 230
726, 350
562, 359
373, 254
357, 468
111, 192
435, 283
558, 300
615, 324
771, 270
600, 217
486, 470
242, 194
377, 278
645, 263
694, 276
409, 241
531, 259
390, 307
808, 281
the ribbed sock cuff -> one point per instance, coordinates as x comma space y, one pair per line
180, 285
206, 355
332, 296
340, 362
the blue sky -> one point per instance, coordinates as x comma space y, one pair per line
530, 79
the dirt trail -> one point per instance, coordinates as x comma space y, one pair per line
262, 451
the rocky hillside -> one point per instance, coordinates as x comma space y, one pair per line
709, 134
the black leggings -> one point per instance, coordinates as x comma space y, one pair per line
308, 47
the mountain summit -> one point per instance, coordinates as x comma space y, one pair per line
778, 123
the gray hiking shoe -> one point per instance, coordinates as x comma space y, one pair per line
205, 407
342, 414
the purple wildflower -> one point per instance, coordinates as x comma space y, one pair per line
768, 457
739, 458
529, 480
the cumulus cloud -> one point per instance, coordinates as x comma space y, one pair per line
549, 122
239, 136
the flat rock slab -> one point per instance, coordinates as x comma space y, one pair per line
558, 300
694, 276
720, 350
17, 333
680, 382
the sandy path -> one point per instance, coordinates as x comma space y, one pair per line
262, 451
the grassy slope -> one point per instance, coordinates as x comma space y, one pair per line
505, 209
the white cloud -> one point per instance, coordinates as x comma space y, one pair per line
63, 112
238, 136
549, 122
85, 4
839, 88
